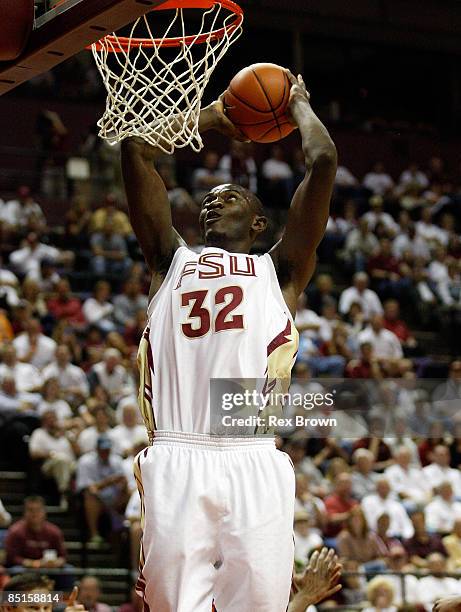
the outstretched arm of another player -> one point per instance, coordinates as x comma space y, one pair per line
319, 581
294, 255
148, 204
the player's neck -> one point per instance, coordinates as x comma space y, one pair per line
233, 246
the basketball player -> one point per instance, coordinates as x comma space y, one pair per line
217, 512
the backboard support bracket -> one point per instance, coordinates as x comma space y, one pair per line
71, 29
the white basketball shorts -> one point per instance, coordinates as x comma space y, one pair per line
217, 524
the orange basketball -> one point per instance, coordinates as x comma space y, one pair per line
256, 102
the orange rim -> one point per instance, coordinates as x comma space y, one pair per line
117, 44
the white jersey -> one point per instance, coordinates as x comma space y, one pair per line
216, 315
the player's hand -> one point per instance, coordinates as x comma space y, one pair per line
299, 96
320, 579
220, 122
447, 604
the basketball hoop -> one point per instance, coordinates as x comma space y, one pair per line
154, 94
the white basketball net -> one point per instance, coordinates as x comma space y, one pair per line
155, 98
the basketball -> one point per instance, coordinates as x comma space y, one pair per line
256, 102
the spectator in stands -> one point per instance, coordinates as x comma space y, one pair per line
101, 480
339, 504
360, 294
57, 452
65, 307
240, 166
29, 539
446, 395
406, 481
125, 435
385, 344
127, 304
391, 277
442, 512
51, 400
27, 259
89, 595
360, 245
16, 213
98, 309
32, 293
382, 501
108, 213
440, 471
377, 215
397, 561
307, 539
413, 177
307, 321
366, 366
26, 377
357, 542
380, 595
111, 375
34, 347
435, 584
452, 545
423, 543
322, 293
14, 402
46, 277
72, 379
78, 219
310, 503
88, 438
363, 477
207, 176
8, 286
110, 252
378, 181
430, 232
344, 178
396, 325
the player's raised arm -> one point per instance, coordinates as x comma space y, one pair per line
148, 204
294, 255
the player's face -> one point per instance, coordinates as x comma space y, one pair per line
226, 214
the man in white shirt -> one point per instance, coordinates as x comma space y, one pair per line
275, 168
407, 481
8, 286
440, 471
413, 178
432, 233
381, 502
435, 585
34, 347
378, 180
363, 477
345, 178
27, 259
19, 211
26, 376
111, 375
386, 345
377, 215
72, 379
50, 444
443, 510
125, 435
360, 294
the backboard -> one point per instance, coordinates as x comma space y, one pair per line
66, 28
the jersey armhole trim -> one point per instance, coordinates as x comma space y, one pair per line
276, 285
167, 278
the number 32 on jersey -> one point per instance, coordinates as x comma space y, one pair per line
220, 317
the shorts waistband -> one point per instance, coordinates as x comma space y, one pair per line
197, 440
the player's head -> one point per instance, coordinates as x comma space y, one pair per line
231, 217
29, 583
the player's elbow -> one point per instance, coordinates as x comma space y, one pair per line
322, 156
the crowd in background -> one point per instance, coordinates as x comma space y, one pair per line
73, 303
